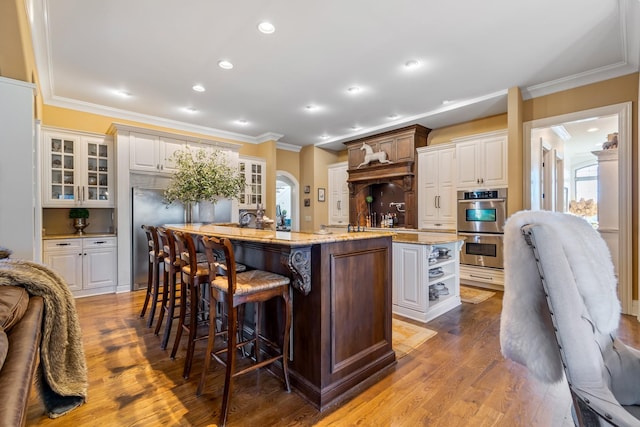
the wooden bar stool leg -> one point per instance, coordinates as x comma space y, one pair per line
285, 338
155, 292
148, 291
194, 303
256, 328
231, 364
173, 285
210, 345
181, 316
164, 301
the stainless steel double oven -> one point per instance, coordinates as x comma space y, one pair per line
481, 217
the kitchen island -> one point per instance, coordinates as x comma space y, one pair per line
426, 274
341, 328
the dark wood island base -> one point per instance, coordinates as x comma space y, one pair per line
342, 302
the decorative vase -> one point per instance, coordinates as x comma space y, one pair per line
188, 213
206, 211
80, 224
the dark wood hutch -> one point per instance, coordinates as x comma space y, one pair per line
385, 182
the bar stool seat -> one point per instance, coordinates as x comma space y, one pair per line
235, 290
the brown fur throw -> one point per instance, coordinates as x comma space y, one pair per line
63, 371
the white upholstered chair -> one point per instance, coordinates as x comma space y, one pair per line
560, 315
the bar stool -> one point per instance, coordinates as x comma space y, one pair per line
237, 289
170, 292
193, 306
156, 254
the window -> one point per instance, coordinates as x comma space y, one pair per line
586, 182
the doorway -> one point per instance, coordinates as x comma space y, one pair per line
288, 198
570, 167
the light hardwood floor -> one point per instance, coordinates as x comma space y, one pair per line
457, 378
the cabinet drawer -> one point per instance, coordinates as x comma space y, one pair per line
99, 242
62, 245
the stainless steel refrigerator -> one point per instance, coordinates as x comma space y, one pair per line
149, 208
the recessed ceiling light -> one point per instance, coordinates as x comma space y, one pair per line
446, 101
325, 136
123, 93
354, 89
356, 127
198, 88
411, 64
393, 116
224, 64
242, 122
190, 109
593, 130
266, 27
311, 108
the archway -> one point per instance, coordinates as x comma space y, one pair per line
288, 197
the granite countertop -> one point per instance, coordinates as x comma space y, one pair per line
288, 238
76, 236
426, 238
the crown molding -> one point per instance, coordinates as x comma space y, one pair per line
288, 147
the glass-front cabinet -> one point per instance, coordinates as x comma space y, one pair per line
77, 170
253, 170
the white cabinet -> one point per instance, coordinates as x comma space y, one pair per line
414, 276
78, 170
87, 264
338, 194
152, 153
254, 172
436, 188
482, 277
481, 161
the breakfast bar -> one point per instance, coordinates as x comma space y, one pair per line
342, 302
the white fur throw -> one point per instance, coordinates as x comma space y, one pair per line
525, 335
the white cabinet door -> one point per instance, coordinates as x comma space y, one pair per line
65, 258
61, 169
467, 169
495, 161
254, 173
482, 161
436, 188
447, 202
167, 147
68, 265
97, 173
99, 268
408, 286
144, 152
338, 194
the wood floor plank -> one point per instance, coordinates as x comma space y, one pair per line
457, 378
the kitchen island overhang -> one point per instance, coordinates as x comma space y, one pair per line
342, 302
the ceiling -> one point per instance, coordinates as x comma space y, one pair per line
469, 54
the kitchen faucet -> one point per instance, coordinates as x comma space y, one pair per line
397, 205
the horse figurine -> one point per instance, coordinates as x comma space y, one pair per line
370, 156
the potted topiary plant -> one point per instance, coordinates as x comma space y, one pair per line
202, 176
79, 216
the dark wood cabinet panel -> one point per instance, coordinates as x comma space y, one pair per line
400, 172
